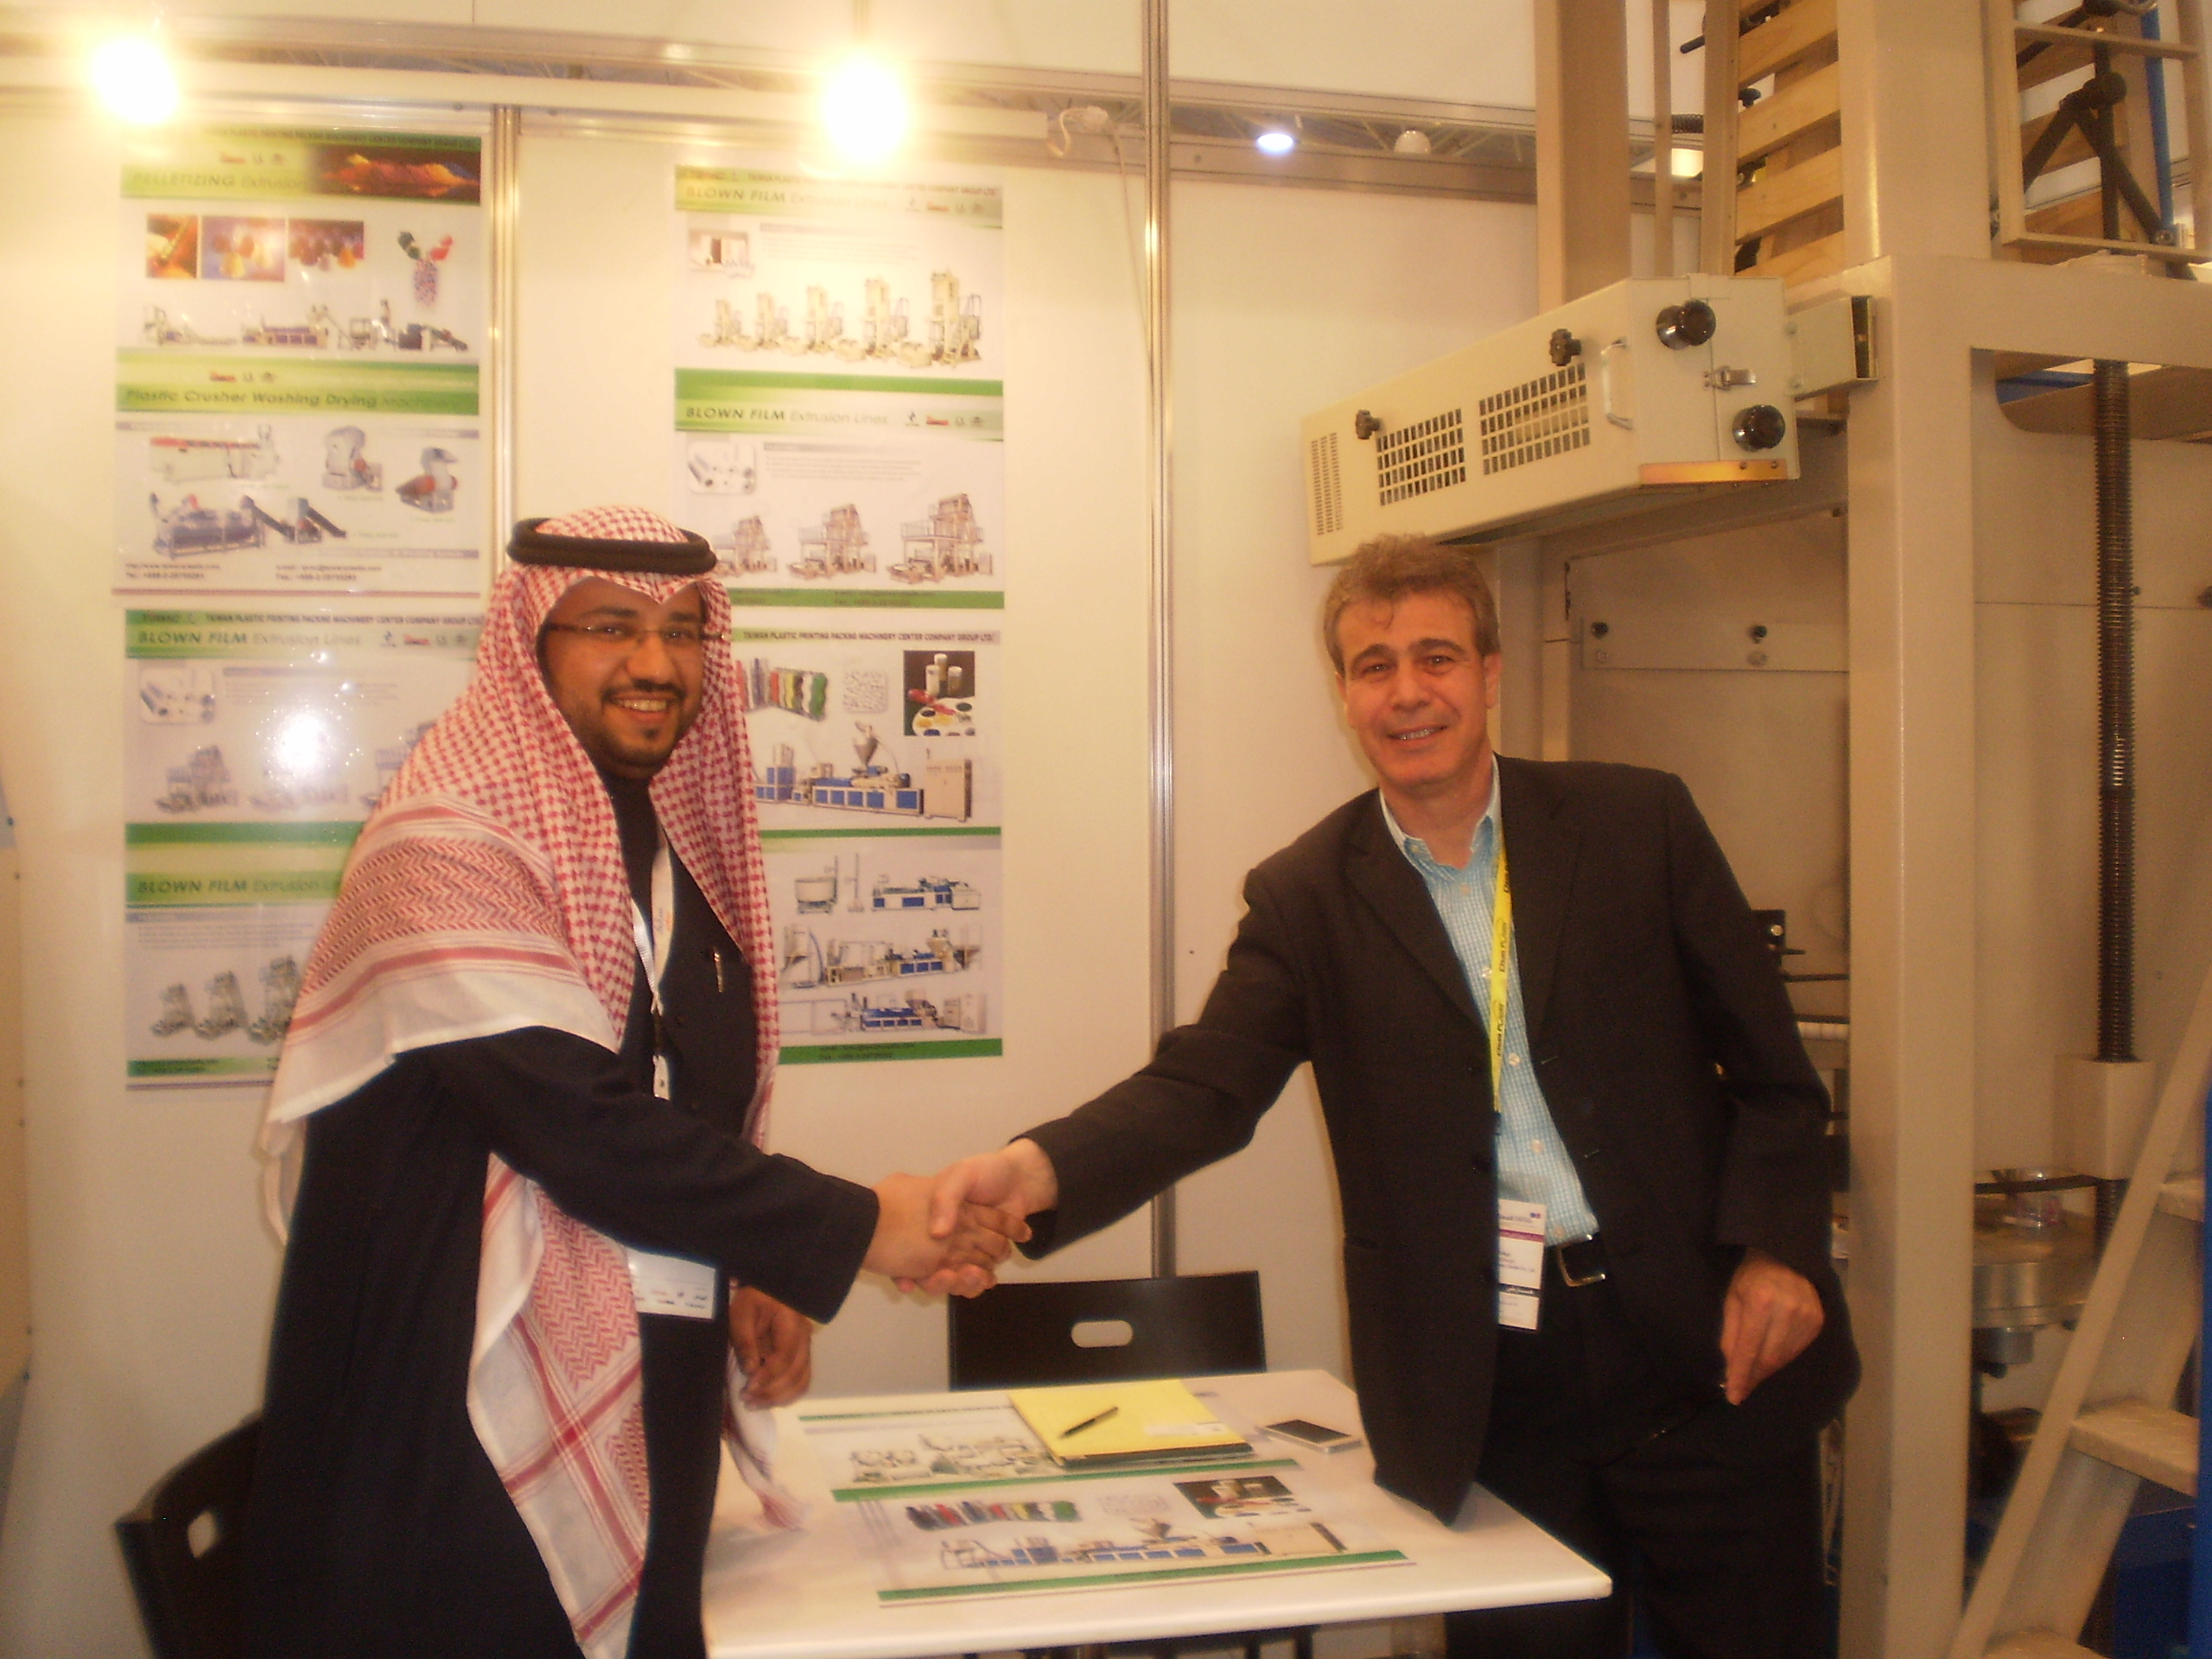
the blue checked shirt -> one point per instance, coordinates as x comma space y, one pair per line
1533, 1165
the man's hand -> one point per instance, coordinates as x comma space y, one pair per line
1771, 1315
957, 1258
1018, 1179
774, 1346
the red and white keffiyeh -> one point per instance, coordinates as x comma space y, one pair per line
488, 893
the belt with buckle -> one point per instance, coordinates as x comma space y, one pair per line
1581, 1261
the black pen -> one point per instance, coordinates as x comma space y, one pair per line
1090, 1422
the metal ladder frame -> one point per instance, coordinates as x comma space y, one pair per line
2134, 51
2107, 1424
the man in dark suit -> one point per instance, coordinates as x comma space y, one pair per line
1649, 1382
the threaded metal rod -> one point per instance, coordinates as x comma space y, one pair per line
2115, 717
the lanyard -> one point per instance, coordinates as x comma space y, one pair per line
654, 937
1501, 963
664, 1284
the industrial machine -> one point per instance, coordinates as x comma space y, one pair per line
1587, 412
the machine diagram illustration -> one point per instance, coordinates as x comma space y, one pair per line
885, 332
746, 551
191, 526
345, 465
226, 1009
949, 542
943, 789
968, 1456
320, 331
808, 963
190, 460
837, 548
945, 543
295, 503
201, 783
884, 937
822, 895
432, 489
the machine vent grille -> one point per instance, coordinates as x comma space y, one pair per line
1430, 454
1545, 416
1326, 485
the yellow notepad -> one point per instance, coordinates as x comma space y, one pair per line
1097, 1425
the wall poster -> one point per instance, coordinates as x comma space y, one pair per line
300, 321
839, 404
839, 438
254, 746
875, 752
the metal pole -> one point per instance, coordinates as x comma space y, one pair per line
502, 181
2115, 715
1159, 410
1662, 138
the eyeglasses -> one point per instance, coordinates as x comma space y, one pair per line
625, 636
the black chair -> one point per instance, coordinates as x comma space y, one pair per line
182, 1545
1204, 1325
1025, 1335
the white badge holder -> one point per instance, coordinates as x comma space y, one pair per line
1520, 1263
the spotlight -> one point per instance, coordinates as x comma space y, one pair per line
865, 110
133, 77
1275, 142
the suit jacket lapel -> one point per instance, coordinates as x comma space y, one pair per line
1378, 872
1541, 847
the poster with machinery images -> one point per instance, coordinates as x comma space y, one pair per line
839, 398
255, 745
875, 759
961, 1502
299, 325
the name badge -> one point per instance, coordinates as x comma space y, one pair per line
1520, 1263
671, 1284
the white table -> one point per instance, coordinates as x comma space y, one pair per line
810, 1594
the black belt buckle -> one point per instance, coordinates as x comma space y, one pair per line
1582, 1260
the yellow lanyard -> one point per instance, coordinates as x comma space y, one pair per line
1501, 961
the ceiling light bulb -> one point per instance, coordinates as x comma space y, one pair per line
865, 110
1275, 142
133, 80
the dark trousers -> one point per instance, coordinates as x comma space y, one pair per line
1721, 1538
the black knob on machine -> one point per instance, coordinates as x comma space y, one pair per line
1761, 427
1565, 348
1691, 323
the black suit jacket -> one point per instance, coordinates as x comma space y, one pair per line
1667, 1052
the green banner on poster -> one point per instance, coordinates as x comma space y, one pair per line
858, 406
192, 382
803, 196
284, 163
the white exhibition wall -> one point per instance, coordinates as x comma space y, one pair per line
1479, 51
153, 1272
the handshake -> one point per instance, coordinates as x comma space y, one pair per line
944, 1234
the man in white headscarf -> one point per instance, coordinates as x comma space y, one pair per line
526, 1084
